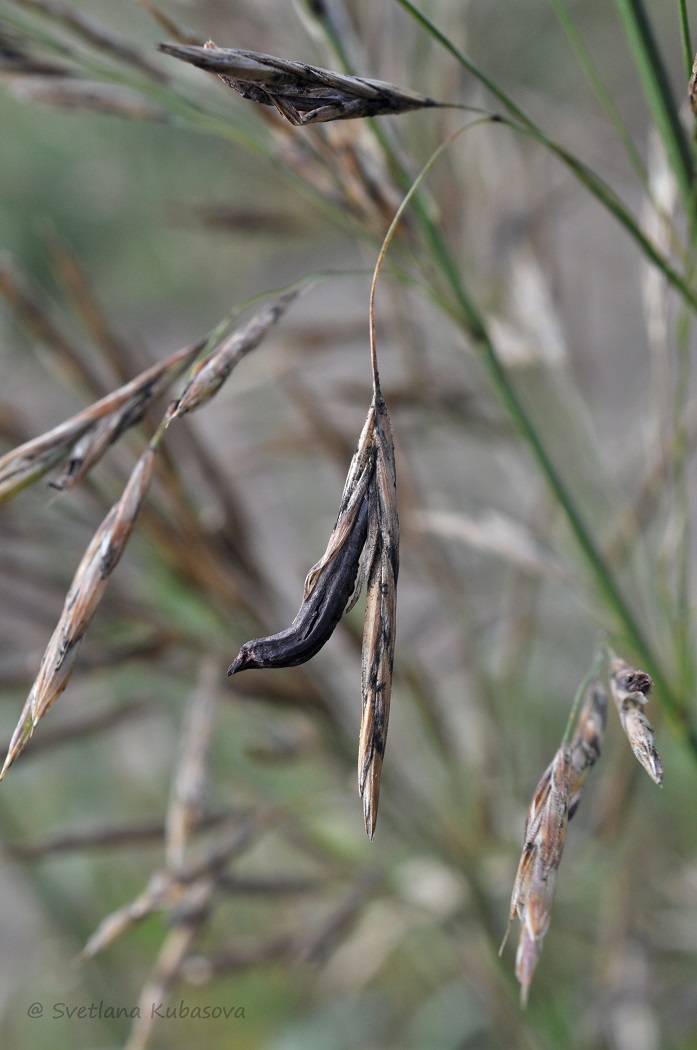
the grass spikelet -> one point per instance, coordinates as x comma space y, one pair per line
381, 566
82, 600
210, 373
692, 88
363, 549
586, 742
535, 881
553, 805
84, 438
630, 689
301, 93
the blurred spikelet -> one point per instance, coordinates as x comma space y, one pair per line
301, 93
97, 34
74, 93
630, 689
692, 88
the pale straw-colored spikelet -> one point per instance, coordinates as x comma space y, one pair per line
82, 439
210, 373
630, 689
535, 881
82, 600
692, 88
554, 803
587, 739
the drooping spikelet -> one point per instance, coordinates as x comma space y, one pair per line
630, 689
363, 549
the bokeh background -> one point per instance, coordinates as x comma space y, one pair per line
323, 939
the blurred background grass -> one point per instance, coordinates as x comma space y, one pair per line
325, 940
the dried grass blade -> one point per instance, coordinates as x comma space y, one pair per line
37, 319
496, 534
162, 891
166, 22
630, 689
193, 911
301, 93
74, 93
190, 782
97, 34
82, 600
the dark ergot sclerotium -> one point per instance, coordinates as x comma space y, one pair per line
319, 613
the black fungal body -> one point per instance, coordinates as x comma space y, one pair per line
319, 613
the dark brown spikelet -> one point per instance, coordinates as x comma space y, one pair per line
382, 569
363, 549
302, 94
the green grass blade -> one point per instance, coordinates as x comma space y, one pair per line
657, 89
604, 96
593, 183
685, 38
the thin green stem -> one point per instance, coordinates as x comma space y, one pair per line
605, 581
685, 38
657, 89
519, 120
601, 91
